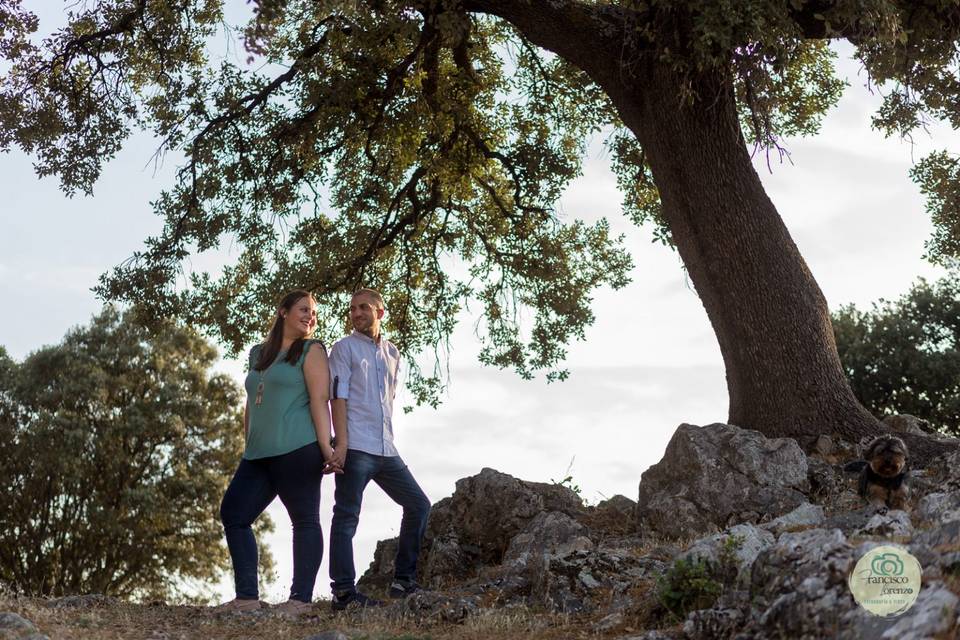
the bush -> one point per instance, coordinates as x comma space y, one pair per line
117, 446
904, 356
686, 586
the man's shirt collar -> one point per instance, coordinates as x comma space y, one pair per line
368, 338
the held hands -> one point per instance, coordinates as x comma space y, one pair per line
330, 464
336, 460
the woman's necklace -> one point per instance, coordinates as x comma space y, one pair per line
259, 398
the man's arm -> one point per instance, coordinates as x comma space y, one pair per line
396, 378
339, 406
340, 392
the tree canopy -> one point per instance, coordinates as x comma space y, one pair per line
118, 445
383, 142
903, 356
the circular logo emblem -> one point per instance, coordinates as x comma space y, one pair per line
886, 580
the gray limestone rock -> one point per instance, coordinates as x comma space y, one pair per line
890, 523
931, 616
799, 586
937, 508
616, 515
494, 498
719, 475
655, 634
939, 536
739, 545
906, 423
608, 622
570, 583
850, 522
473, 528
824, 479
380, 572
328, 635
427, 605
803, 517
549, 533
712, 624
16, 627
943, 473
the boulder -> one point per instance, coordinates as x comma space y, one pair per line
474, 527
15, 627
906, 423
719, 475
615, 516
380, 572
496, 498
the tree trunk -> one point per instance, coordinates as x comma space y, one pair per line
783, 374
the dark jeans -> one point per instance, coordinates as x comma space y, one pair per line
295, 477
395, 479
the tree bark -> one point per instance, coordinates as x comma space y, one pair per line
772, 322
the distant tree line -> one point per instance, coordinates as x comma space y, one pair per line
117, 445
904, 356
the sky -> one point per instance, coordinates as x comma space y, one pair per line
649, 362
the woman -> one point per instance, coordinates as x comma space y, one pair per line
286, 425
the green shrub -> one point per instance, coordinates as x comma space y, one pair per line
687, 586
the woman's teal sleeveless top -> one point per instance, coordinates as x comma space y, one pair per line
281, 422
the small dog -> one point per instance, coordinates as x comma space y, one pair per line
884, 481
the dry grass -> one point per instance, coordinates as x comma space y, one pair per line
126, 621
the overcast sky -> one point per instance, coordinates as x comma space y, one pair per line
649, 363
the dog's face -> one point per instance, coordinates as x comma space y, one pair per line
887, 456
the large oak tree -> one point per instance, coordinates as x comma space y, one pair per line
380, 141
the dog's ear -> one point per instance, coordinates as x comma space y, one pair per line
870, 451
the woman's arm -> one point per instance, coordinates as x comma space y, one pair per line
316, 374
246, 423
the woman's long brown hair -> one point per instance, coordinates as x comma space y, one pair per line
271, 347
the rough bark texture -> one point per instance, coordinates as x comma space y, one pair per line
771, 319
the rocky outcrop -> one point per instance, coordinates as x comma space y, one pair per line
767, 534
714, 476
496, 498
474, 527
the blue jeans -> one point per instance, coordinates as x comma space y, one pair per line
295, 477
393, 476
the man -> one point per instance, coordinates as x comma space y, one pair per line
363, 375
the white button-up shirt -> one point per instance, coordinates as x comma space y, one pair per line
364, 372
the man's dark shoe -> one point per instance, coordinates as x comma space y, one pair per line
403, 588
343, 600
